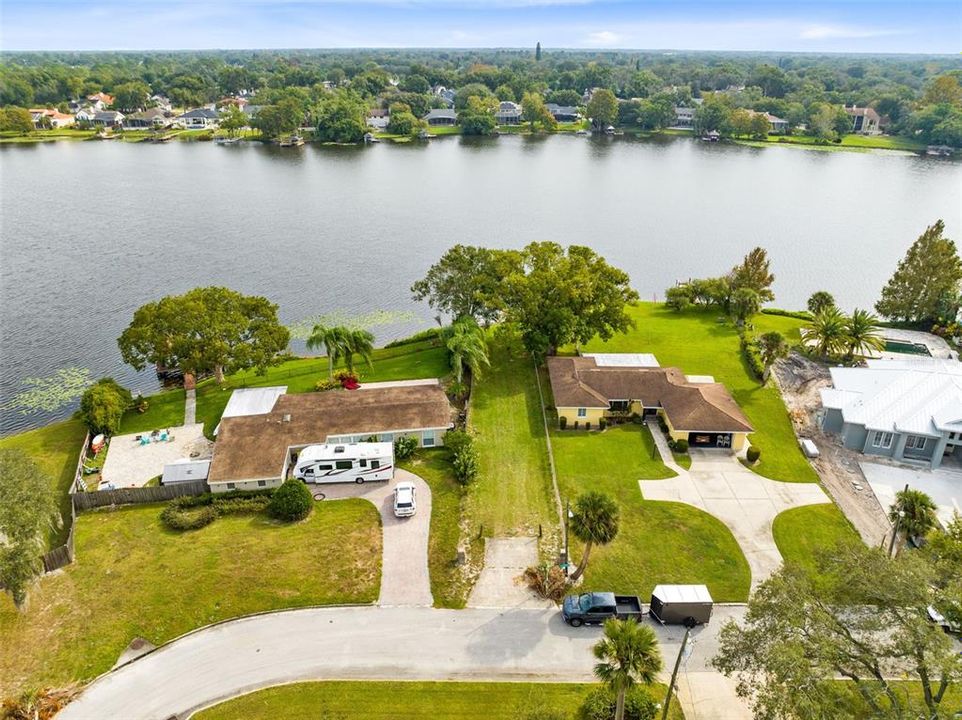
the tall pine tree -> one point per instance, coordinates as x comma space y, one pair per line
926, 281
537, 52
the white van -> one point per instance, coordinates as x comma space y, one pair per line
345, 462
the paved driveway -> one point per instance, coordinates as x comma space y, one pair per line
746, 502
377, 643
500, 584
404, 564
943, 486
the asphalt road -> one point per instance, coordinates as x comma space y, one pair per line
373, 643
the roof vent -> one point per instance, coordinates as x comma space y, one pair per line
286, 417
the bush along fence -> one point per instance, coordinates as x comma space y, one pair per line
63, 555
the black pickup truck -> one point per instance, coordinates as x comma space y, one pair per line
597, 607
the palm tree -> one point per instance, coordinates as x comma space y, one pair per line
467, 347
914, 512
627, 654
862, 334
358, 342
771, 347
827, 332
595, 521
334, 340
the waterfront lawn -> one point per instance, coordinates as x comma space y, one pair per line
657, 542
164, 410
801, 532
424, 359
512, 494
449, 585
701, 342
134, 578
789, 327
415, 700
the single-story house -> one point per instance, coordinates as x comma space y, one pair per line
908, 410
199, 118
86, 114
258, 451
244, 402
45, 117
508, 113
149, 119
101, 100
108, 118
563, 113
616, 386
378, 118
865, 121
684, 117
441, 116
162, 102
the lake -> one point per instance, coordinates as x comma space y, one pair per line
92, 230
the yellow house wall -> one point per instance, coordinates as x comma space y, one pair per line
593, 416
739, 439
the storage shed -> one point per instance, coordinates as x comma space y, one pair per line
687, 605
186, 471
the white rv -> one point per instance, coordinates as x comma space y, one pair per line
346, 462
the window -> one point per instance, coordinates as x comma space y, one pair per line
309, 471
325, 467
915, 442
427, 438
582, 412
363, 462
344, 464
375, 464
231, 486
882, 439
262, 483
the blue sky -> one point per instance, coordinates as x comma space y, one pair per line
926, 26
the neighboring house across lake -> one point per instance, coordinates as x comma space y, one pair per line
441, 116
101, 100
45, 117
865, 121
508, 113
259, 450
108, 119
149, 119
199, 118
909, 410
684, 117
444, 95
161, 101
616, 386
777, 125
563, 113
378, 118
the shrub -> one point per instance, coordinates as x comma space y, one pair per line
547, 581
602, 424
405, 446
576, 424
662, 424
103, 404
182, 517
678, 298
681, 446
429, 334
587, 424
456, 440
752, 454
195, 511
636, 418
599, 704
343, 376
797, 314
563, 422
326, 384
141, 404
466, 465
753, 358
291, 501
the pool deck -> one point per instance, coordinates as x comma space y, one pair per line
936, 346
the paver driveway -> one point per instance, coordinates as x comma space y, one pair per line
404, 565
747, 503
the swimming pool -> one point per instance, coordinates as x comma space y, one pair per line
907, 348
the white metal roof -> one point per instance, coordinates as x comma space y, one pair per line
252, 401
682, 593
624, 359
913, 396
346, 451
700, 379
185, 471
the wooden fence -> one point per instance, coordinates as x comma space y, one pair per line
63, 555
135, 496
77, 484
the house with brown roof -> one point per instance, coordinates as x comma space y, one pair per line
617, 386
260, 450
865, 121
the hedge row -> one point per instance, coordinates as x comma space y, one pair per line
753, 358
797, 314
197, 511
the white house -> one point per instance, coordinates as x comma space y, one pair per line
508, 113
378, 119
199, 118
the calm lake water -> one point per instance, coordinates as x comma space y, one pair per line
90, 231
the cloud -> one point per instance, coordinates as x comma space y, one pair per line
602, 38
831, 32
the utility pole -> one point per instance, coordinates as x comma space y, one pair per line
898, 521
567, 515
674, 674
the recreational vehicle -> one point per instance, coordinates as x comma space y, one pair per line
343, 462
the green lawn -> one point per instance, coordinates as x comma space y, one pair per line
134, 578
164, 410
789, 327
658, 542
410, 700
699, 343
513, 493
801, 531
849, 142
851, 705
55, 448
425, 359
449, 586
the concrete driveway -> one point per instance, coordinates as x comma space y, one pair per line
501, 583
404, 565
943, 486
376, 643
746, 502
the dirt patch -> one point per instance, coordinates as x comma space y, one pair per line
800, 380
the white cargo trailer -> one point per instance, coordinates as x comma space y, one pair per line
345, 462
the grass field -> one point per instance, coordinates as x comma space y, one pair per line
849, 142
801, 531
448, 585
134, 578
410, 701
700, 344
789, 327
658, 542
164, 410
513, 493
55, 448
425, 359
